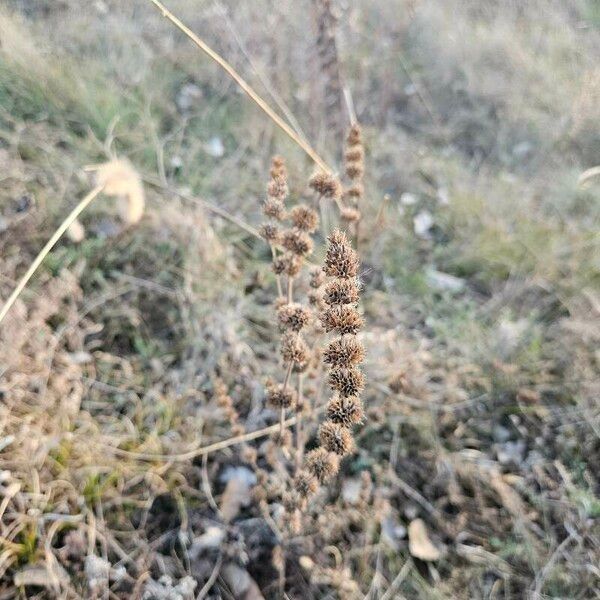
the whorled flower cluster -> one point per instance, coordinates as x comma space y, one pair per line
289, 234
343, 356
354, 157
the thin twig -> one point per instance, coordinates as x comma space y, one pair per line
208, 205
186, 456
46, 249
244, 85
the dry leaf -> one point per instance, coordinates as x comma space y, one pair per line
419, 544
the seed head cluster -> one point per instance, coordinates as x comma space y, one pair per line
293, 316
343, 355
354, 157
341, 261
326, 185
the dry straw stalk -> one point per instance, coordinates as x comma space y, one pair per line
246, 87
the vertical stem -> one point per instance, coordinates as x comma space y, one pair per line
299, 430
290, 284
277, 277
285, 384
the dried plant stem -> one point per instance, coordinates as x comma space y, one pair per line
277, 277
46, 249
244, 85
290, 286
286, 381
186, 456
288, 373
299, 430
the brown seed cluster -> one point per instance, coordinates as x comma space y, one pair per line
280, 397
343, 355
298, 242
326, 185
294, 349
305, 218
289, 235
355, 169
293, 316
341, 261
342, 318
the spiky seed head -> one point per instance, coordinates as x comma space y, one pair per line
294, 349
297, 242
344, 352
341, 260
347, 382
356, 190
354, 154
280, 397
350, 215
343, 319
355, 170
305, 218
270, 233
317, 278
345, 411
335, 438
354, 135
305, 484
278, 187
293, 316
290, 264
342, 291
283, 439
326, 185
322, 464
278, 167
274, 209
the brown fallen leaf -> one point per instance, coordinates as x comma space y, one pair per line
419, 544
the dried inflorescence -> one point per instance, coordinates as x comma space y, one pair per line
355, 169
271, 233
347, 382
343, 355
279, 396
347, 411
341, 261
288, 264
344, 352
342, 318
293, 316
305, 218
335, 438
293, 348
326, 185
298, 242
305, 484
322, 464
342, 291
